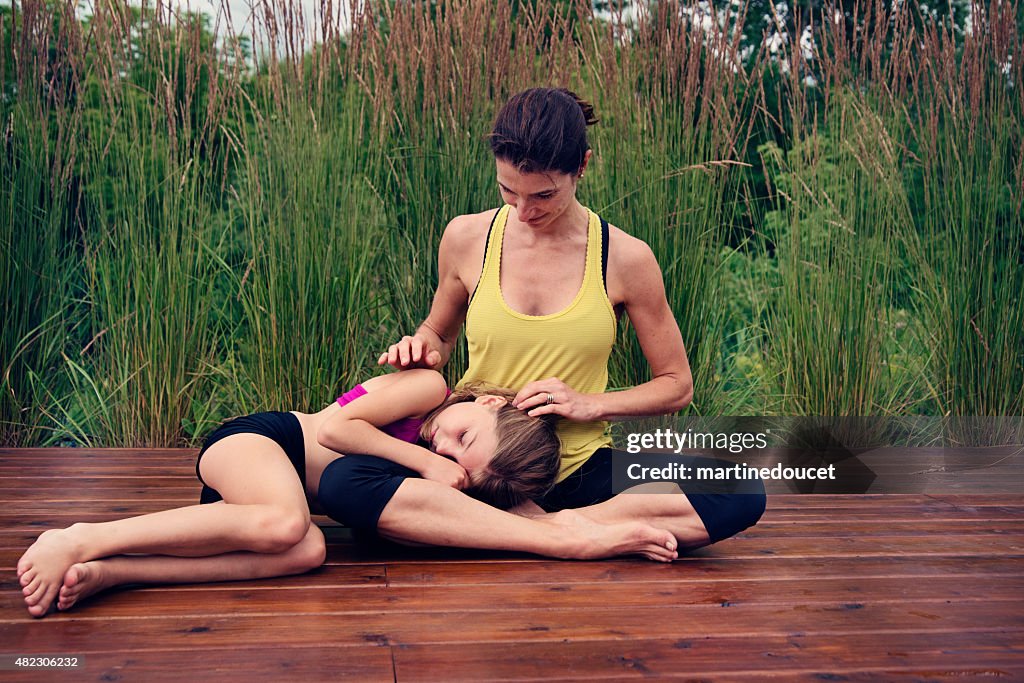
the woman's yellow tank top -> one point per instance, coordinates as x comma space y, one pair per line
510, 349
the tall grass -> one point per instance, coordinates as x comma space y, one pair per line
39, 197
841, 213
36, 273
147, 225
670, 169
191, 231
969, 108
435, 76
311, 286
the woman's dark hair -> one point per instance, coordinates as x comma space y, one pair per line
543, 129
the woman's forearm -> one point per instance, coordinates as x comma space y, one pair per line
660, 396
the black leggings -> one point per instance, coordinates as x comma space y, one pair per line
354, 490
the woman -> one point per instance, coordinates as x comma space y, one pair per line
258, 470
540, 284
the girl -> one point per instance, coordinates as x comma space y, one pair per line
257, 472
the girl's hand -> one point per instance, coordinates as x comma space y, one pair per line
445, 471
552, 396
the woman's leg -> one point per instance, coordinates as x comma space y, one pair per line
697, 513
264, 511
85, 579
370, 493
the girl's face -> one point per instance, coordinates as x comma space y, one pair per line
540, 199
467, 432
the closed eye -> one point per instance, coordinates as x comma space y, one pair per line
462, 437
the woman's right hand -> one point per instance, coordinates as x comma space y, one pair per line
444, 471
411, 352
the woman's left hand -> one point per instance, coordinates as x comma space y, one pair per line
552, 396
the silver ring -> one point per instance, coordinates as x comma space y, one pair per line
551, 399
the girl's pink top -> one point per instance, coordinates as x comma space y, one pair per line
406, 429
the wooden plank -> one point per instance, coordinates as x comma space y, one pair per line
72, 470
225, 599
56, 453
980, 499
839, 528
700, 569
716, 658
328, 577
68, 488
69, 633
910, 674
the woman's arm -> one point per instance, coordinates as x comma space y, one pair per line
635, 281
355, 428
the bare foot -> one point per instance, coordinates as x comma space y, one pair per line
81, 581
41, 569
609, 540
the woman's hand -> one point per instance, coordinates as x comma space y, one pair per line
444, 471
411, 352
552, 396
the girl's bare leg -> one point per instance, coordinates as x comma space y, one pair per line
265, 512
85, 579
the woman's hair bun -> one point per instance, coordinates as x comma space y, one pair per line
588, 109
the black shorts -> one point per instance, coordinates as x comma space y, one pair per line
724, 514
283, 429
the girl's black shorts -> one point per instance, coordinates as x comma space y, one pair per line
280, 427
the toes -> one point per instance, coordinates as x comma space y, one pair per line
26, 577
48, 597
33, 588
660, 556
72, 576
660, 553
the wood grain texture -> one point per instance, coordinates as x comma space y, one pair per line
911, 587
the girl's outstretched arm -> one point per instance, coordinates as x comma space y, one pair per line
412, 393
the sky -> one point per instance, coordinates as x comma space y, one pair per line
241, 12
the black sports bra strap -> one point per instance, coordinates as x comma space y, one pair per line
604, 254
487, 246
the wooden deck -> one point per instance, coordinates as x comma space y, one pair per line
893, 587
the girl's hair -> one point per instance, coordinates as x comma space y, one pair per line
543, 129
526, 460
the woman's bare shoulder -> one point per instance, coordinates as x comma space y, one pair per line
470, 224
626, 252
468, 231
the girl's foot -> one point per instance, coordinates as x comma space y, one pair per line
41, 569
81, 581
